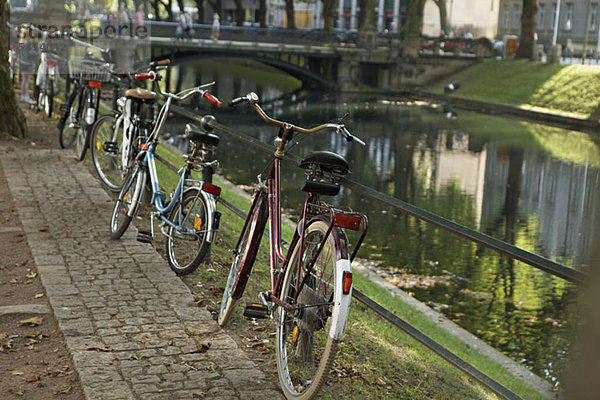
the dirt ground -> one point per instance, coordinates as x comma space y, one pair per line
34, 361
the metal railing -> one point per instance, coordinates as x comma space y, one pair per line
529, 258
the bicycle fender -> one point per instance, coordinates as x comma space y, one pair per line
341, 306
211, 207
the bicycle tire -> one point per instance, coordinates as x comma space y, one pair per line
107, 160
243, 259
304, 345
83, 133
39, 99
128, 202
49, 99
70, 120
186, 251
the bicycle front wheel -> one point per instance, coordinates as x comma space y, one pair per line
49, 98
106, 144
186, 243
243, 259
72, 120
305, 346
128, 202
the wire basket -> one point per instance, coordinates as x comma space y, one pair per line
89, 70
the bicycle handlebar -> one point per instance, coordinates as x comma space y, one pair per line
252, 99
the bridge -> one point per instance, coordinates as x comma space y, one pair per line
336, 60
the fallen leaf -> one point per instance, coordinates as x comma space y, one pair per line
33, 378
31, 275
96, 348
202, 348
44, 229
380, 381
198, 393
13, 281
21, 392
17, 373
39, 295
64, 390
34, 321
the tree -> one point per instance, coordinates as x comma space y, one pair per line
413, 29
262, 13
528, 28
366, 19
289, 13
12, 119
444, 23
328, 6
239, 12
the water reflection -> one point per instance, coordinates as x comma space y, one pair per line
529, 185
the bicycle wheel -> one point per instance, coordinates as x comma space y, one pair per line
106, 141
82, 139
48, 98
128, 202
70, 121
40, 99
243, 259
187, 245
305, 346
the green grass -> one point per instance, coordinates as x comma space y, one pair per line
573, 89
376, 360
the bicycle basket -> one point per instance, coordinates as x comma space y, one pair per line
87, 70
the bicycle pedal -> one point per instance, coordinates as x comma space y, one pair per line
256, 310
110, 147
144, 237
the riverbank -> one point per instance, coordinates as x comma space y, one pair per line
559, 95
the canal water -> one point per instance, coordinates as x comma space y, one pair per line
533, 186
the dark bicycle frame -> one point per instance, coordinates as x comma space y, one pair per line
331, 216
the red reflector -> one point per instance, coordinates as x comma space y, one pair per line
346, 282
94, 84
346, 221
144, 146
212, 189
52, 63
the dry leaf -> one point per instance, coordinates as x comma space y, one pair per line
44, 229
21, 392
39, 295
17, 373
96, 348
35, 321
202, 348
31, 275
13, 281
33, 378
380, 381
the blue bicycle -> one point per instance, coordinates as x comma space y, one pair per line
189, 219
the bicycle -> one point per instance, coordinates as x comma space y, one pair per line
81, 108
115, 138
189, 219
310, 291
46, 79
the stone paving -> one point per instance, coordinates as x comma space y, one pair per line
130, 323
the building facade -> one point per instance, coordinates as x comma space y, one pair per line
571, 27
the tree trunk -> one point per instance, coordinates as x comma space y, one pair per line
328, 6
262, 13
239, 12
200, 6
12, 120
444, 23
289, 13
528, 28
366, 21
414, 27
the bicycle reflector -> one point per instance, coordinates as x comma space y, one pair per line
212, 189
346, 221
346, 282
94, 84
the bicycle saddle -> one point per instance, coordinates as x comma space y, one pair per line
141, 94
192, 133
328, 161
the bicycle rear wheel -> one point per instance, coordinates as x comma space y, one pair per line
83, 133
128, 202
70, 121
187, 245
106, 145
243, 259
305, 346
49, 98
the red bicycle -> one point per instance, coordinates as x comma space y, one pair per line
311, 286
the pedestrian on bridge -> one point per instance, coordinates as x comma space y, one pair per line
216, 27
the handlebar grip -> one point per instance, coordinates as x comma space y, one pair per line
166, 61
145, 76
349, 137
236, 101
212, 99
